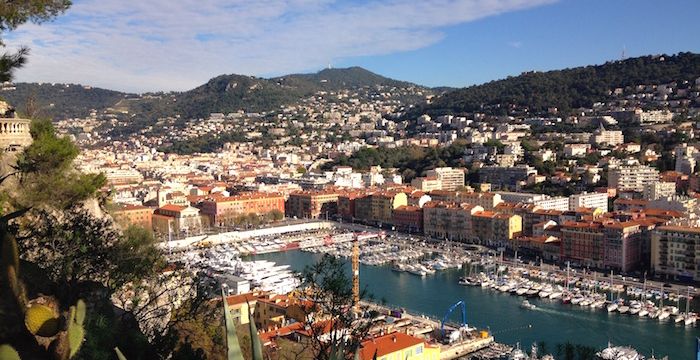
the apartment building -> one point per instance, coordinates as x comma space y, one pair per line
658, 189
602, 137
496, 228
450, 178
427, 183
634, 177
589, 200
408, 218
312, 204
505, 177
623, 245
136, 215
676, 252
487, 200
377, 208
223, 211
449, 220
176, 220
346, 205
583, 243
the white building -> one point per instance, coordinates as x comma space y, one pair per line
589, 200
450, 178
576, 150
659, 189
607, 137
633, 177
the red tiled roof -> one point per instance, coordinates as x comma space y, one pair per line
387, 344
171, 207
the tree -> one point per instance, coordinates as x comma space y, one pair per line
330, 316
276, 215
17, 12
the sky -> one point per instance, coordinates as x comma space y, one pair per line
154, 45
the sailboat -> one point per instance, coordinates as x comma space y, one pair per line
689, 318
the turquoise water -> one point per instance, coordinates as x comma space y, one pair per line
551, 322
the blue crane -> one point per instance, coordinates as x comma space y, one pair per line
449, 311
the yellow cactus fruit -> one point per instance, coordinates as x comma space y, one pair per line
41, 320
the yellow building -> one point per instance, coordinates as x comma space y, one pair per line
496, 228
447, 220
241, 306
398, 346
427, 184
383, 205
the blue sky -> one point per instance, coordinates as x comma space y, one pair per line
177, 45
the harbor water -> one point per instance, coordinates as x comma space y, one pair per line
551, 321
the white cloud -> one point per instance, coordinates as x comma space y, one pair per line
177, 45
515, 44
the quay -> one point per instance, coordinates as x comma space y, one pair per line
469, 342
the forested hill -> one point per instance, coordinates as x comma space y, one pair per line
228, 93
60, 100
224, 93
335, 79
565, 89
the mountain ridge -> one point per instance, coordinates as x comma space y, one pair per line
222, 93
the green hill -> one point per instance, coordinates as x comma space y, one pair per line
224, 93
336, 79
565, 89
61, 100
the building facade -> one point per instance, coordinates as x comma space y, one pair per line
312, 204
589, 200
675, 252
224, 211
625, 178
134, 215
450, 178
658, 189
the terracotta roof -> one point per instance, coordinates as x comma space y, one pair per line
687, 229
243, 196
387, 344
171, 207
239, 299
408, 208
129, 207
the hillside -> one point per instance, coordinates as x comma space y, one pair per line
224, 93
228, 93
61, 100
566, 89
336, 79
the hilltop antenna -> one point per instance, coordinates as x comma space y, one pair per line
623, 55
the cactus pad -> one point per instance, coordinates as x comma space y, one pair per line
7, 352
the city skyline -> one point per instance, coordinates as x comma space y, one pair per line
136, 48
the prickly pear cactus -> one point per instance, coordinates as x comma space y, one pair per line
8, 353
41, 320
76, 332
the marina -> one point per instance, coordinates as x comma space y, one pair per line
517, 302
550, 321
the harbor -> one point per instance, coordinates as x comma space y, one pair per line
516, 302
551, 321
